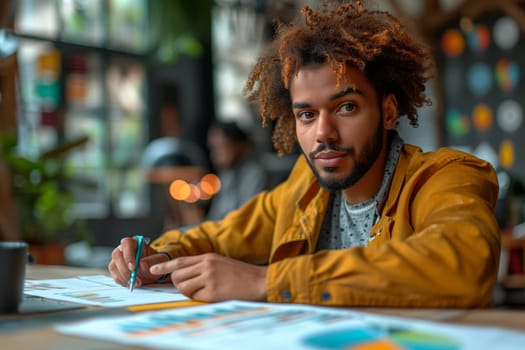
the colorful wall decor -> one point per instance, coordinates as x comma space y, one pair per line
482, 64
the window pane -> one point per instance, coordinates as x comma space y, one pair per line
128, 24
82, 21
126, 80
86, 165
37, 17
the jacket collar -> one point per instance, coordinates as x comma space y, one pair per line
398, 179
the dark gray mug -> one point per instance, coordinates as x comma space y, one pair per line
13, 258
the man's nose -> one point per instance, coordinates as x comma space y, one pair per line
327, 131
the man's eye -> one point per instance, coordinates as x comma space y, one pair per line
305, 115
348, 107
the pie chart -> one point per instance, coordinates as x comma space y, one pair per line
376, 338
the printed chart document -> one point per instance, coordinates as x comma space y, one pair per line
101, 290
239, 325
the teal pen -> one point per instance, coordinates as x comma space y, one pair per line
138, 253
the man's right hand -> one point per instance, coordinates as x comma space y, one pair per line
123, 262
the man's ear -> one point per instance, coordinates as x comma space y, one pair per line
390, 112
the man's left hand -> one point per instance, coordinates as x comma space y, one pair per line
212, 277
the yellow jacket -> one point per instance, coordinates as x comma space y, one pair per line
436, 244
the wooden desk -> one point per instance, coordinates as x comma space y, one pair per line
42, 336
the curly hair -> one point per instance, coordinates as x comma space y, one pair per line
341, 35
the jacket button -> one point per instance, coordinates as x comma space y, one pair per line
326, 296
286, 295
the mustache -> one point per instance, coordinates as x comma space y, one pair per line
331, 147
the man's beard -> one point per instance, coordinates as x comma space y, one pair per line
361, 164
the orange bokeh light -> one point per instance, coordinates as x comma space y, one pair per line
194, 194
183, 191
207, 188
210, 184
180, 190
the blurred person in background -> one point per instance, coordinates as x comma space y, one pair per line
364, 219
234, 159
170, 157
173, 147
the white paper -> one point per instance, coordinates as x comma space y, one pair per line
101, 290
244, 325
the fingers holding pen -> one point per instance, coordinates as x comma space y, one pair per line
118, 267
123, 260
128, 247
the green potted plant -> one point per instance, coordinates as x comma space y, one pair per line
44, 205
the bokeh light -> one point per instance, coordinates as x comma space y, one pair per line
482, 117
457, 124
507, 74
180, 190
453, 43
205, 189
506, 154
194, 194
210, 184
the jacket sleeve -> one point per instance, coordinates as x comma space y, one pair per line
438, 246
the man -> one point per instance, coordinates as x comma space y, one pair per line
363, 218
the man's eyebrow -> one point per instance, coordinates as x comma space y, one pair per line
339, 94
300, 105
349, 90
